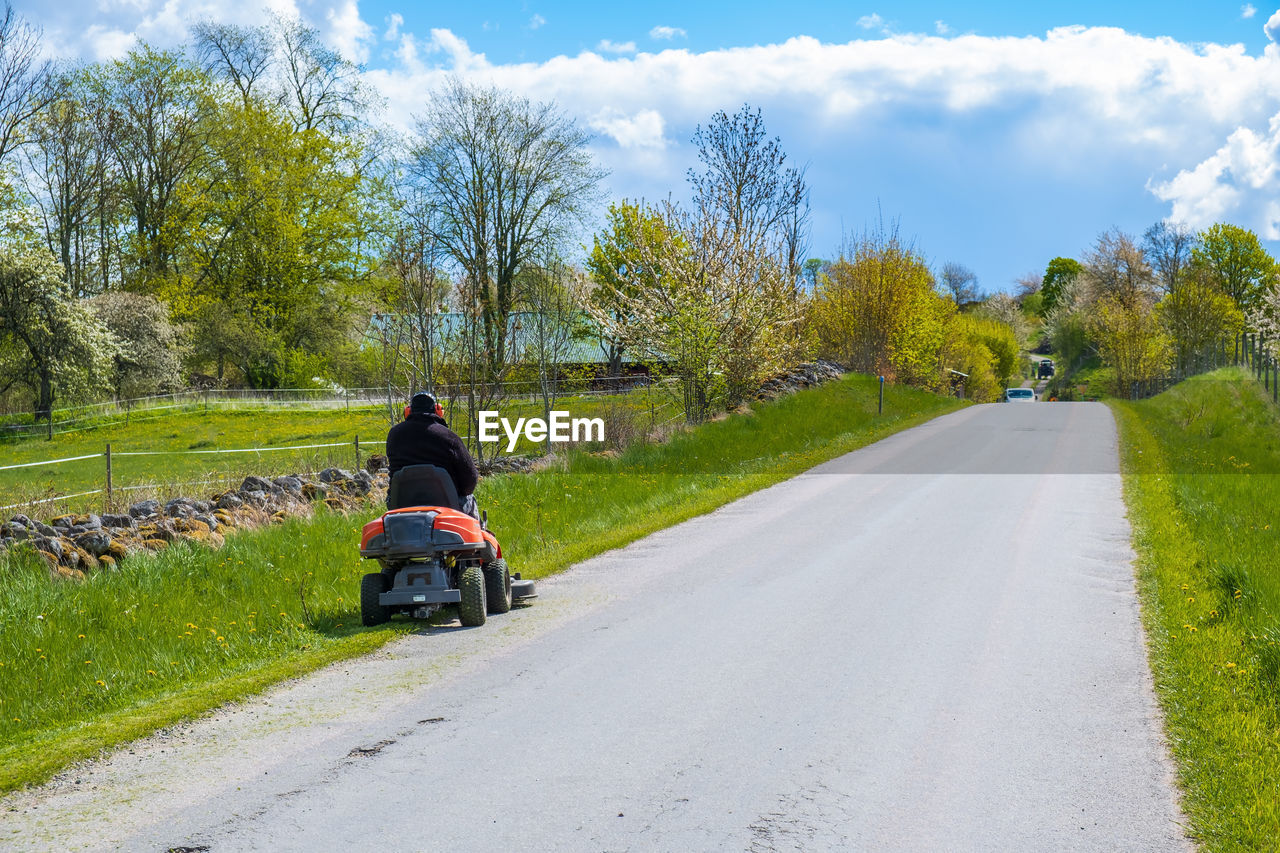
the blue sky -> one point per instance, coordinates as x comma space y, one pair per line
999, 135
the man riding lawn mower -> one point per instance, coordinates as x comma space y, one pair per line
432, 544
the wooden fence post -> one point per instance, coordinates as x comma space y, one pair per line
357, 452
109, 503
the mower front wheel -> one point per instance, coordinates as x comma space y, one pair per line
371, 611
497, 586
472, 607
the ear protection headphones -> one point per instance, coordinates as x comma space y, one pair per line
439, 409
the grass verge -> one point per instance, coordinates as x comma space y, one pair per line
85, 666
1201, 469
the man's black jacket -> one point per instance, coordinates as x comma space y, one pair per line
423, 439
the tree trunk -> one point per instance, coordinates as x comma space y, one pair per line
44, 404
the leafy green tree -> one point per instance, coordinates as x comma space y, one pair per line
1057, 276
719, 314
1130, 339
1199, 319
811, 270
157, 110
986, 350
50, 343
148, 352
1235, 263
617, 265
862, 313
1005, 309
286, 229
1066, 325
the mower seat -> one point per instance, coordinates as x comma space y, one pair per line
422, 485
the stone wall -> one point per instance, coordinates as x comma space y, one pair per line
73, 545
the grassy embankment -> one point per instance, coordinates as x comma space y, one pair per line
1202, 480
176, 435
88, 665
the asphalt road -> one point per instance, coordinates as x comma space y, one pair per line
931, 644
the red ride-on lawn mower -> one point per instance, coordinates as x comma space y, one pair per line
433, 554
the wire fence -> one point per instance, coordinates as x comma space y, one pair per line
73, 419
108, 456
1247, 349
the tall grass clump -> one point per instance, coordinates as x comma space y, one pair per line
1202, 480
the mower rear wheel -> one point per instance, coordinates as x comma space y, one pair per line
497, 586
472, 607
371, 586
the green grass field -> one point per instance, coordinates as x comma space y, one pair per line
1202, 480
87, 665
183, 441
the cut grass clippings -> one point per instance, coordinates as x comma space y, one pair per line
1201, 467
84, 666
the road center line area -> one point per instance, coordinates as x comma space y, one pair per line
932, 643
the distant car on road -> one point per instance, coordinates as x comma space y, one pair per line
1019, 395
1045, 369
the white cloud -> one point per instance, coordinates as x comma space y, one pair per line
1107, 83
608, 46
107, 43
663, 33
1272, 27
75, 29
941, 28
394, 22
348, 33
868, 22
1240, 181
644, 129
1067, 101
536, 21
1248, 10
1074, 99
